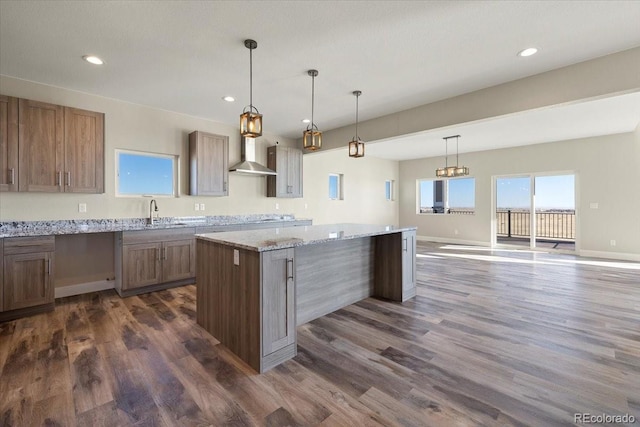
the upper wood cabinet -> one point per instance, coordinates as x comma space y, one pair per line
50, 148
8, 143
83, 151
287, 162
40, 142
209, 164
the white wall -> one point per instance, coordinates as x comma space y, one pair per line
607, 171
363, 184
142, 128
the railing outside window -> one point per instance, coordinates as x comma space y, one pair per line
554, 225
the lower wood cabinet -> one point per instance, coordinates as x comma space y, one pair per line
246, 299
278, 300
397, 252
150, 260
27, 275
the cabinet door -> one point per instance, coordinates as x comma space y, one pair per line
295, 172
209, 174
278, 301
8, 143
83, 151
28, 280
141, 265
40, 135
408, 264
178, 260
282, 167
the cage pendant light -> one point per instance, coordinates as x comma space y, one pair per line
312, 137
250, 119
451, 171
356, 146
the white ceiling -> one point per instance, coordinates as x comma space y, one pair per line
184, 56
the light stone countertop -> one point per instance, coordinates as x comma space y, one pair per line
81, 226
282, 238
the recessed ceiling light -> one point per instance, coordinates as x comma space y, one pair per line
93, 59
228, 98
528, 51
306, 121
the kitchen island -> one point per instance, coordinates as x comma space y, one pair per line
255, 287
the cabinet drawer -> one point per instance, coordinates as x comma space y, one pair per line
147, 236
25, 245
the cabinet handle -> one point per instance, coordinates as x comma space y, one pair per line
59, 181
224, 186
164, 253
68, 178
159, 256
405, 246
49, 266
12, 176
289, 271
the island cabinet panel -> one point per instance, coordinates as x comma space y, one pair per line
83, 151
41, 149
28, 273
8, 143
397, 252
278, 300
321, 290
287, 162
209, 164
228, 298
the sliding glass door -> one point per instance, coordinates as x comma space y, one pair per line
535, 211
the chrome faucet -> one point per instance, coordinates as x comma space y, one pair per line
153, 209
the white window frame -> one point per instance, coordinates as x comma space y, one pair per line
340, 192
175, 179
390, 184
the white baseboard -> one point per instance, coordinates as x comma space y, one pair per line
84, 288
452, 241
611, 255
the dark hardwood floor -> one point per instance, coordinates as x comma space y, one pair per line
493, 338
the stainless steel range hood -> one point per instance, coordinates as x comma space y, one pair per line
248, 162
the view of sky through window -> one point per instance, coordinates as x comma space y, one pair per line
145, 174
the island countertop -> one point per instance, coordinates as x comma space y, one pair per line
282, 238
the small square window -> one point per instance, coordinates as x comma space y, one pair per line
335, 186
146, 174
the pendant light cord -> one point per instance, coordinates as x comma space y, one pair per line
457, 163
313, 91
357, 137
251, 80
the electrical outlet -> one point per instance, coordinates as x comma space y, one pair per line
82, 207
201, 206
455, 231
593, 205
197, 207
306, 206
612, 242
277, 206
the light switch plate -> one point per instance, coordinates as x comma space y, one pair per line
197, 207
82, 207
201, 206
236, 257
593, 205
